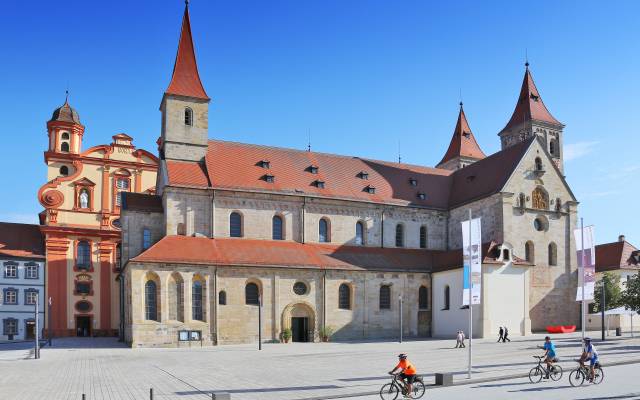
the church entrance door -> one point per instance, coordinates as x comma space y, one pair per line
83, 326
300, 329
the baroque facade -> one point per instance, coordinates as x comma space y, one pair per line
81, 223
314, 242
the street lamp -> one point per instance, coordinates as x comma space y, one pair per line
259, 321
400, 303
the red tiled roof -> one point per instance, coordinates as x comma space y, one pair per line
530, 105
185, 80
21, 240
142, 202
615, 255
182, 173
463, 143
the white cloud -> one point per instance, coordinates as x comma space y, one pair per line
19, 218
577, 150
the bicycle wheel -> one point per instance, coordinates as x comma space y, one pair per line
389, 392
418, 389
556, 372
598, 376
535, 375
576, 377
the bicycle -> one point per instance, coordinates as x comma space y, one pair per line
582, 373
537, 372
390, 391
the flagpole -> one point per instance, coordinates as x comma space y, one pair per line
583, 282
470, 305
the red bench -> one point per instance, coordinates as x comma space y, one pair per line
561, 328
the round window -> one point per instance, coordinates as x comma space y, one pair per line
83, 306
300, 288
116, 223
540, 224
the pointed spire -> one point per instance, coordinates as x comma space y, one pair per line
185, 80
530, 105
463, 143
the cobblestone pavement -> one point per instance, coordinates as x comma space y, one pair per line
103, 369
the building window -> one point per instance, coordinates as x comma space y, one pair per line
31, 271
553, 147
539, 166
323, 231
300, 288
235, 225
30, 297
64, 136
10, 296
197, 301
522, 200
269, 178
359, 233
83, 255
150, 303
529, 251
118, 256
122, 186
10, 270
146, 238
385, 297
83, 306
264, 164
399, 235
64, 170
423, 298
276, 228
188, 116
344, 297
83, 288
64, 147
222, 298
447, 298
363, 175
313, 169
540, 199
319, 184
251, 294
413, 182
370, 189
553, 254
423, 237
540, 224
9, 326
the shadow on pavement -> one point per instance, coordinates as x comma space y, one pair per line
259, 390
622, 396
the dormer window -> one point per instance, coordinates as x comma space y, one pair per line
313, 169
318, 184
264, 164
471, 178
466, 134
534, 97
370, 189
363, 175
422, 196
188, 116
269, 178
413, 182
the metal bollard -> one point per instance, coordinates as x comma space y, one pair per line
151, 394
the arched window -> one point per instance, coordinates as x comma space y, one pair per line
553, 254
529, 252
359, 233
423, 237
553, 147
447, 298
83, 256
251, 294
323, 231
64, 170
277, 233
399, 235
64, 136
385, 297
146, 238
344, 297
150, 301
197, 300
222, 298
188, 116
64, 147
539, 166
423, 298
540, 199
235, 225
522, 200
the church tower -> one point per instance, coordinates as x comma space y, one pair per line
463, 149
185, 105
65, 130
531, 117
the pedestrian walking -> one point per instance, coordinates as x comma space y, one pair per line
506, 335
501, 338
462, 339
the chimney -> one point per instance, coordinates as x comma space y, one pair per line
621, 238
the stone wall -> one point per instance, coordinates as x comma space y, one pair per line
180, 141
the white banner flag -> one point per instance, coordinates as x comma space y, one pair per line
588, 268
472, 232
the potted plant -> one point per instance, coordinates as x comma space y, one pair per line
325, 333
286, 334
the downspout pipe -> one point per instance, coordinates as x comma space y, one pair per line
304, 206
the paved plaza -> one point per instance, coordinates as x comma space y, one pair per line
103, 369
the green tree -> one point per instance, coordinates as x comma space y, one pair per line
631, 294
612, 292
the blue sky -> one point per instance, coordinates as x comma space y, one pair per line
361, 76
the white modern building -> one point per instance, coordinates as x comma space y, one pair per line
22, 260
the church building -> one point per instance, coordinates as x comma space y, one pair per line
319, 245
